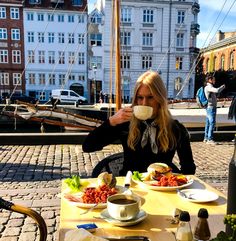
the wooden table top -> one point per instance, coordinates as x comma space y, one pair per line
159, 206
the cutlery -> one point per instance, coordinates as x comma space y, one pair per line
184, 194
88, 210
128, 238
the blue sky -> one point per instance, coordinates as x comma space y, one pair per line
211, 19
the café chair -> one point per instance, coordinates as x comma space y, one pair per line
29, 212
111, 164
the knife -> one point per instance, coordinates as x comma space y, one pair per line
128, 238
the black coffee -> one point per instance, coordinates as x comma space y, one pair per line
123, 201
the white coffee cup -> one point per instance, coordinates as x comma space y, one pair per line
123, 206
143, 112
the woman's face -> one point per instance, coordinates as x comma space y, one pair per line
145, 97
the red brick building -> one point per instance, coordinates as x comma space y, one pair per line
11, 47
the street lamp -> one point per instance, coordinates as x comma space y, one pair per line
94, 81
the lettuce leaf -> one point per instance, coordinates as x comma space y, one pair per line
74, 183
137, 176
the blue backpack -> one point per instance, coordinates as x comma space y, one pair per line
201, 98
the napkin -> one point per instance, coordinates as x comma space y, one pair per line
81, 235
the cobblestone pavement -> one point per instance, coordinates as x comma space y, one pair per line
31, 176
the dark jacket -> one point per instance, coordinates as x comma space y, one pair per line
141, 158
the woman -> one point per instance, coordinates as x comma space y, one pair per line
145, 142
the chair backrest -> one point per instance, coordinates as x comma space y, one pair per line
111, 164
29, 212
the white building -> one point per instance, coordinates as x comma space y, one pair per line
55, 47
157, 35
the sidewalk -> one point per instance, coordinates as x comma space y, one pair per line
31, 176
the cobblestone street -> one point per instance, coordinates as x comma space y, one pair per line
31, 176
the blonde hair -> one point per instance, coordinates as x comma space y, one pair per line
165, 137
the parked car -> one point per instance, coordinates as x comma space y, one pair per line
21, 97
67, 97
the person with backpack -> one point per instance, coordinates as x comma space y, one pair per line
210, 92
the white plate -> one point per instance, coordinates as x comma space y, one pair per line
88, 205
147, 184
199, 195
140, 217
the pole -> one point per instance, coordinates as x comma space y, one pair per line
118, 74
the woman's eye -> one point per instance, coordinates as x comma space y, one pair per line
139, 97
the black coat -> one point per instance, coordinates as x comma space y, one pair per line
141, 158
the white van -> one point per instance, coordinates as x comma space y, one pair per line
67, 97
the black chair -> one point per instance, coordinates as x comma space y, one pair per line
29, 212
111, 164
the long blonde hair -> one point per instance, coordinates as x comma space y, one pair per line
165, 137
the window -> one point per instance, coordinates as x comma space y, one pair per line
71, 57
125, 62
81, 58
77, 2
51, 57
126, 88
40, 17
180, 40
41, 95
146, 62
31, 57
71, 38
181, 16
207, 65
51, 37
214, 63
81, 38
80, 18
4, 78
41, 56
14, 12
95, 61
31, 78
2, 13
61, 57
16, 77
15, 34
30, 16
125, 38
147, 16
126, 15
231, 60
50, 17
96, 18
71, 18
3, 33
52, 79
81, 78
41, 37
147, 39
42, 79
62, 78
30, 37
16, 56
222, 62
72, 78
61, 38
96, 39
3, 56
60, 18
178, 84
179, 63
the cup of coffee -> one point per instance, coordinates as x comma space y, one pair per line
143, 112
123, 206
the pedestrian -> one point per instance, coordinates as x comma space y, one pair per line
210, 92
156, 139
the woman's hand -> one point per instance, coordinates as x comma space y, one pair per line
121, 116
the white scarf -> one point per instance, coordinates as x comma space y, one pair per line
150, 133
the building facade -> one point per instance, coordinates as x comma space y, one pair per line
221, 54
11, 47
157, 35
55, 46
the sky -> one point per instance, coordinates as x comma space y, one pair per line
214, 15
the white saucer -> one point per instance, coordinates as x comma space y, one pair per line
199, 195
140, 217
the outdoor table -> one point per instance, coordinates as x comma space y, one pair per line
159, 205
